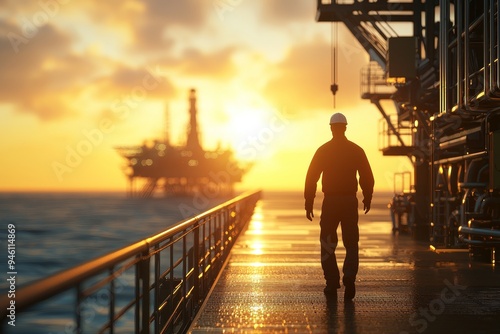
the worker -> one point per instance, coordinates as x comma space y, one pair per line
339, 160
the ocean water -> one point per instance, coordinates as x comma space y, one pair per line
55, 231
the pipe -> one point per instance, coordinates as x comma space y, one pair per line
480, 232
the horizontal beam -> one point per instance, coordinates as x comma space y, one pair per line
372, 12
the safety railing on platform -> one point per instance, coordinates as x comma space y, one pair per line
153, 286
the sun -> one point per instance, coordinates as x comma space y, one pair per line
246, 122
251, 132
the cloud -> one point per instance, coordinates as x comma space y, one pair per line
151, 29
303, 78
149, 35
148, 22
148, 81
43, 76
190, 13
217, 64
39, 73
279, 12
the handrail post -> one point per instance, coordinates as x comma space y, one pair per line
78, 309
111, 303
196, 256
144, 278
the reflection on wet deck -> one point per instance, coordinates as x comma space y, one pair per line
274, 282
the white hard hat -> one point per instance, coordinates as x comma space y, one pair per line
338, 118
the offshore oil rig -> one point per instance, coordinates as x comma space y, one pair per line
441, 60
181, 170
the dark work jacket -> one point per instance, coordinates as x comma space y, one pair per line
339, 160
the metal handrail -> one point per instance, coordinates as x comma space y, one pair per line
173, 272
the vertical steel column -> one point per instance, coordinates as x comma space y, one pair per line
497, 57
432, 171
443, 53
486, 51
460, 58
492, 39
417, 25
466, 54
430, 25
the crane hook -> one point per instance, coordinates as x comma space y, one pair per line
334, 88
333, 54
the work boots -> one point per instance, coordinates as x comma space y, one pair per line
350, 291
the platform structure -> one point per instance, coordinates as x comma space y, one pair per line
273, 281
185, 170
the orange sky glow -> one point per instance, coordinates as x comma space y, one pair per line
81, 78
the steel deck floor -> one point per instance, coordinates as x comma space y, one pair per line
273, 282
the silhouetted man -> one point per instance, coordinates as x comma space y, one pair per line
339, 160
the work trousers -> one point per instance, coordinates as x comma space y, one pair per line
343, 210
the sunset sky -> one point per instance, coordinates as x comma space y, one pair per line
83, 77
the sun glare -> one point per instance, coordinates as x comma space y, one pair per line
252, 131
245, 122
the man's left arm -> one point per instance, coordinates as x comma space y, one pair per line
366, 181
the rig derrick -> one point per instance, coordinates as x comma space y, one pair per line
181, 170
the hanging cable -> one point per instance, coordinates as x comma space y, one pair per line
333, 55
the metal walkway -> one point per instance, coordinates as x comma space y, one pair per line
273, 281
